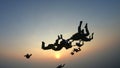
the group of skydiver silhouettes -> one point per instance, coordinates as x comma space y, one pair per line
80, 36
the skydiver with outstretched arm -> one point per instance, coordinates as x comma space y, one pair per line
56, 46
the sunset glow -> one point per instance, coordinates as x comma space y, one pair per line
25, 24
57, 56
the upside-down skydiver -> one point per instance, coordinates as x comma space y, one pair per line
77, 35
80, 35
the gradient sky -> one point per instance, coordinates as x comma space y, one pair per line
25, 23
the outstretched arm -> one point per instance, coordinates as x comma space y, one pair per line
47, 47
30, 54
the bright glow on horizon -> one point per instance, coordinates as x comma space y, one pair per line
57, 56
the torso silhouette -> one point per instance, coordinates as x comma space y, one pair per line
64, 43
76, 36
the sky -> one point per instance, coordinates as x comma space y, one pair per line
24, 24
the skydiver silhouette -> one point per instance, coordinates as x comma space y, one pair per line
72, 53
28, 56
56, 46
60, 66
81, 35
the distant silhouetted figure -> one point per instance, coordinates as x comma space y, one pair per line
60, 66
72, 53
28, 56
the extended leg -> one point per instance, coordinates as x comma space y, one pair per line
79, 27
87, 31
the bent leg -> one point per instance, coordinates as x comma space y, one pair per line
57, 40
